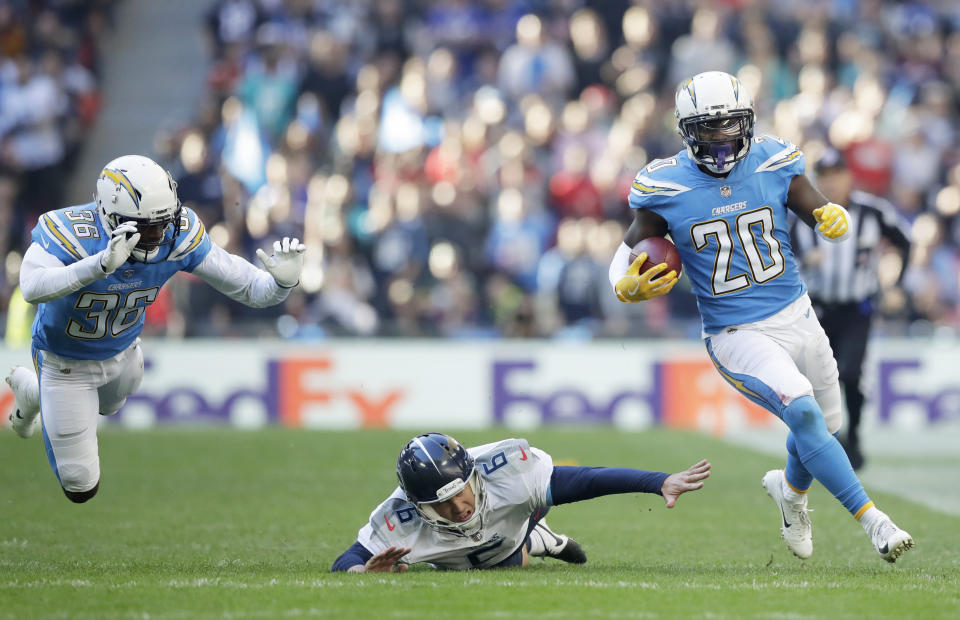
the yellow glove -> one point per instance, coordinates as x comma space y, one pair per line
634, 286
834, 221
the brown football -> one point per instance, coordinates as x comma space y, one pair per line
659, 250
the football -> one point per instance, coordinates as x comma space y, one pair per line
659, 250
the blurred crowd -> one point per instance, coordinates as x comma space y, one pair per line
460, 167
49, 99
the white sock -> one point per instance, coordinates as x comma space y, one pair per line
789, 494
870, 518
537, 548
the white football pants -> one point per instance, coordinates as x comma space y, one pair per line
776, 360
73, 396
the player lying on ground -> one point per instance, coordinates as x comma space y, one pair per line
485, 507
724, 201
93, 269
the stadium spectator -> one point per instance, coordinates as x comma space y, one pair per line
49, 99
354, 107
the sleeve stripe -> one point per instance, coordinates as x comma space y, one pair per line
780, 159
75, 249
197, 239
644, 186
642, 189
191, 243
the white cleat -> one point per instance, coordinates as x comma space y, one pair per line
26, 406
889, 540
796, 528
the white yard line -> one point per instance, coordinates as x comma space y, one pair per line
753, 585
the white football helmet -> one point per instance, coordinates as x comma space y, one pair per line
133, 188
715, 119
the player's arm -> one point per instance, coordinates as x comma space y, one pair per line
576, 484
628, 283
830, 220
358, 559
645, 224
241, 281
44, 277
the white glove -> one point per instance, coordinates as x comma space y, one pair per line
118, 250
286, 262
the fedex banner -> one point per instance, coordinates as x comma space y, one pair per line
452, 385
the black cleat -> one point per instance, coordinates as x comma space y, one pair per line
571, 552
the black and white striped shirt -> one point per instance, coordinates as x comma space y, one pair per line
846, 272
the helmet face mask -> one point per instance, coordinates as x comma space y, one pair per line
136, 189
718, 142
473, 526
715, 120
435, 468
154, 234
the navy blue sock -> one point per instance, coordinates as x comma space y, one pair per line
823, 456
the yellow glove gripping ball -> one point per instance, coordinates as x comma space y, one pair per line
833, 219
634, 286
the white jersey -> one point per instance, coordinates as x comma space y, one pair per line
516, 478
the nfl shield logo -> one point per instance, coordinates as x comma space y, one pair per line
127, 274
725, 191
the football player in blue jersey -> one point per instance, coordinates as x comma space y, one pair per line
723, 200
92, 270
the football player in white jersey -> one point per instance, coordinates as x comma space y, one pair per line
484, 507
92, 270
724, 200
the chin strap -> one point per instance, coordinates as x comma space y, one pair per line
144, 256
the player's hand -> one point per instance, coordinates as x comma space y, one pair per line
122, 241
386, 561
689, 479
634, 286
286, 262
833, 220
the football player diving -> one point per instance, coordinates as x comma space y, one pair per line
92, 270
484, 507
723, 199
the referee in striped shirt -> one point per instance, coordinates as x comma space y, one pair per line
843, 277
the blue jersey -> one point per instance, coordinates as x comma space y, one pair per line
731, 232
105, 317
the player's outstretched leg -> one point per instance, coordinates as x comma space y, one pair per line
796, 529
888, 539
824, 458
544, 542
26, 395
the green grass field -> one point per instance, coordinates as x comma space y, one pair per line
228, 524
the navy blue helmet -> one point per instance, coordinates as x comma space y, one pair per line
433, 468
